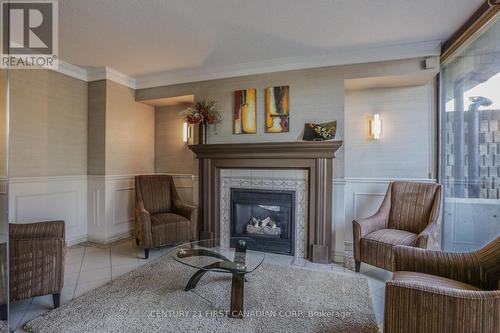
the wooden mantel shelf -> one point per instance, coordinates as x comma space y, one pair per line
296, 149
314, 157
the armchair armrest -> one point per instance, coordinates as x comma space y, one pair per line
183, 209
143, 221
463, 267
48, 229
364, 226
427, 238
190, 212
415, 307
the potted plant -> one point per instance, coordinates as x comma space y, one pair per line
203, 113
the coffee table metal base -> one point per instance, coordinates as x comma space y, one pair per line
238, 278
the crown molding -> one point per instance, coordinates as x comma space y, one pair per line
107, 73
95, 74
331, 58
71, 70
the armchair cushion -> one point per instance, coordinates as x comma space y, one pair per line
376, 247
165, 218
432, 280
392, 237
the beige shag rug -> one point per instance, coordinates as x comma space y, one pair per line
277, 299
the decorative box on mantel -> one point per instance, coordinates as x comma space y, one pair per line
316, 158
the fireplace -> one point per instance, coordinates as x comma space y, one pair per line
265, 216
315, 158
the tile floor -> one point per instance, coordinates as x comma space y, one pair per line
89, 266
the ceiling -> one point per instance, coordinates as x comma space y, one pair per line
188, 40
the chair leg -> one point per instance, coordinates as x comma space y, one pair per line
56, 299
146, 253
357, 265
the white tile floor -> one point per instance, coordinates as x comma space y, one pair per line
88, 267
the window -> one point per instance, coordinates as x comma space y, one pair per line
470, 142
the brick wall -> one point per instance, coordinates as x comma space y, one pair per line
489, 155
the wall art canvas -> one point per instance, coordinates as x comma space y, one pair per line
277, 109
245, 113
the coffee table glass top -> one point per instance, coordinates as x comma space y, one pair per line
212, 255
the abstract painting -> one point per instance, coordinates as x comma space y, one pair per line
244, 118
277, 109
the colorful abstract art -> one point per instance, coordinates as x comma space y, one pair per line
277, 109
244, 118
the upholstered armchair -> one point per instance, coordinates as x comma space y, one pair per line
409, 215
434, 291
36, 260
161, 217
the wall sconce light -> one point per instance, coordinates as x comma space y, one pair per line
186, 132
375, 127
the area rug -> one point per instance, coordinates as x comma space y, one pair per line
277, 299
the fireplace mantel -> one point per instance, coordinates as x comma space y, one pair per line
314, 157
297, 149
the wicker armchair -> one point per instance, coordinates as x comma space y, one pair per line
36, 260
409, 215
161, 217
434, 291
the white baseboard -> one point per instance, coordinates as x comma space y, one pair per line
76, 241
115, 238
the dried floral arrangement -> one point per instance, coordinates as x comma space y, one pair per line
203, 112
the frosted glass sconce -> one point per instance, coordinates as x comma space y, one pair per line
375, 127
186, 132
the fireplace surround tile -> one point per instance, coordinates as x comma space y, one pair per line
265, 179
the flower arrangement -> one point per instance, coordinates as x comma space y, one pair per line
203, 112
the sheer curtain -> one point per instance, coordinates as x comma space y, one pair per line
470, 142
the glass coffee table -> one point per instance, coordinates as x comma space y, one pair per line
210, 256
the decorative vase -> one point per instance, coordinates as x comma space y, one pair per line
202, 134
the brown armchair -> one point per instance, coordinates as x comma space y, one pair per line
434, 291
409, 215
161, 217
36, 260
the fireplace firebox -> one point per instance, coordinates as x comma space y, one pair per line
265, 216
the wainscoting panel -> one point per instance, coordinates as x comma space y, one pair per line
34, 199
95, 208
123, 210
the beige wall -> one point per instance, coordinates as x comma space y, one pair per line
171, 153
48, 124
405, 148
53, 116
96, 150
129, 132
316, 95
